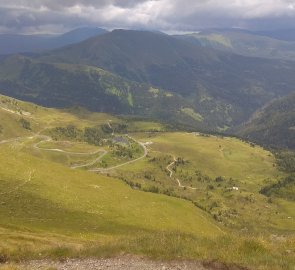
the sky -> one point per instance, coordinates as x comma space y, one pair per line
57, 16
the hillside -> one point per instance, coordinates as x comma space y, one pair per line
211, 80
14, 43
137, 55
169, 63
152, 75
274, 125
61, 85
67, 85
144, 191
244, 43
118, 211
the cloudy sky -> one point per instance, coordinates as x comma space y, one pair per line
56, 16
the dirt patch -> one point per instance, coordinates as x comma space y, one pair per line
3, 258
215, 265
125, 263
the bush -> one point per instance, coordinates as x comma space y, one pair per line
152, 189
283, 188
286, 160
210, 187
219, 179
93, 135
25, 124
68, 132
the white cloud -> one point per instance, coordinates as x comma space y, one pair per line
25, 15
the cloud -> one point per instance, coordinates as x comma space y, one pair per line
165, 15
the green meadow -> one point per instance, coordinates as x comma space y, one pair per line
50, 210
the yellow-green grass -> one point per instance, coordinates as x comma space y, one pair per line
82, 205
145, 126
68, 160
73, 147
44, 118
215, 156
231, 158
114, 156
49, 210
30, 146
11, 126
250, 168
135, 172
288, 208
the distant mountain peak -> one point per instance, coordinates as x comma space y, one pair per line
10, 44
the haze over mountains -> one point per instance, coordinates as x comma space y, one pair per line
17, 43
244, 42
281, 34
214, 80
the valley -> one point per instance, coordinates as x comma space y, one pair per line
138, 147
152, 76
75, 183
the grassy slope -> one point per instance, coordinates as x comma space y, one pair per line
217, 156
239, 164
12, 126
62, 212
56, 202
65, 85
74, 207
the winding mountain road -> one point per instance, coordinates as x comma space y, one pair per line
104, 152
45, 138
126, 163
49, 139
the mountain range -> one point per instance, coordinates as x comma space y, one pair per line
244, 43
281, 34
182, 80
17, 43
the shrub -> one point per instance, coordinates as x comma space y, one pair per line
25, 124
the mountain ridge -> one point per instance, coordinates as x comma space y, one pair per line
150, 74
17, 43
243, 42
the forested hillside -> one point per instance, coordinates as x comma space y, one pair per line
274, 125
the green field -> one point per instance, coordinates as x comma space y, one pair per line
209, 168
50, 210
